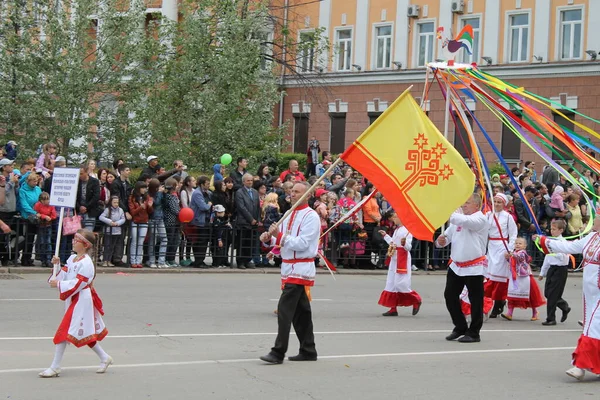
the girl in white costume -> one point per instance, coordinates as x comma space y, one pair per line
397, 290
82, 323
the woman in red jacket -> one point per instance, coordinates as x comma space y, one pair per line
140, 208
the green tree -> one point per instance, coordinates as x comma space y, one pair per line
73, 69
215, 94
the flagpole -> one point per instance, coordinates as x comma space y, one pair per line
446, 123
309, 191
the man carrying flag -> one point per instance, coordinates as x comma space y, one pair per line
468, 233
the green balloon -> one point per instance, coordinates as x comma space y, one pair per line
226, 159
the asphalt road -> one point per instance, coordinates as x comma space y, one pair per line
190, 336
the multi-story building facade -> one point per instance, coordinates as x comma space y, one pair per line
381, 47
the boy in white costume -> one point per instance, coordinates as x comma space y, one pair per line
555, 269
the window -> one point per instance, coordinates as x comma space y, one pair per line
306, 52
338, 133
466, 57
383, 46
461, 137
511, 144
425, 43
571, 36
518, 42
300, 133
344, 49
266, 50
373, 117
563, 123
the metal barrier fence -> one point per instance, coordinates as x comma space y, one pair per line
154, 244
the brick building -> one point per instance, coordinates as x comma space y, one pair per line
381, 47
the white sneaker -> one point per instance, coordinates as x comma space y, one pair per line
414, 267
153, 266
50, 373
104, 365
576, 373
163, 266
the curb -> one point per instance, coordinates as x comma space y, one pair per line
144, 271
169, 271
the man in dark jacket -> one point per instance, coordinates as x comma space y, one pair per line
122, 188
238, 173
152, 169
248, 215
88, 199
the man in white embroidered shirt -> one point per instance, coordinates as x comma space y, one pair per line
299, 242
468, 233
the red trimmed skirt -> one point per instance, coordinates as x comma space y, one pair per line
487, 306
535, 297
495, 290
395, 299
587, 354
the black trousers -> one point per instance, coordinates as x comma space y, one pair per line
556, 280
454, 287
119, 250
200, 242
246, 240
294, 309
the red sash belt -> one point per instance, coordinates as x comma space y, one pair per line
401, 260
299, 260
500, 238
466, 264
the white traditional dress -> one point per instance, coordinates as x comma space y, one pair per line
397, 290
465, 303
502, 236
587, 353
82, 323
523, 290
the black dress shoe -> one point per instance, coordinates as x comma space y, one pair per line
493, 315
302, 357
469, 339
241, 266
250, 266
565, 314
416, 309
390, 314
271, 359
454, 336
549, 323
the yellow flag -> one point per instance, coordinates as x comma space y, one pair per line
410, 162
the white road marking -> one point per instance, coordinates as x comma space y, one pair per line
332, 357
311, 300
273, 333
29, 299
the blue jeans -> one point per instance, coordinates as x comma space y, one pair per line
136, 248
157, 230
88, 222
44, 246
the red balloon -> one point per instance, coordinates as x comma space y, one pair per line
186, 215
